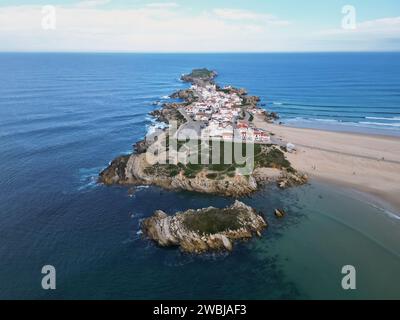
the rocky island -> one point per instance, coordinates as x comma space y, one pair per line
198, 76
204, 230
212, 116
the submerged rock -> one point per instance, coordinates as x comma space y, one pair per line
203, 230
280, 213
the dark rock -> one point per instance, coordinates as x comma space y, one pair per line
188, 95
251, 100
280, 213
141, 146
115, 172
167, 113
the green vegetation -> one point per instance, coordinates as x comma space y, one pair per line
265, 156
203, 73
191, 170
270, 157
212, 221
212, 176
166, 170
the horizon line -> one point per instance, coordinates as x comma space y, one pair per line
201, 52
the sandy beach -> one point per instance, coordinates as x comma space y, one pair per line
367, 163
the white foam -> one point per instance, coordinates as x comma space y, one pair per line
383, 118
326, 120
397, 124
142, 187
387, 212
155, 126
88, 178
364, 124
392, 215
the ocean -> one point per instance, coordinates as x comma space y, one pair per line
63, 117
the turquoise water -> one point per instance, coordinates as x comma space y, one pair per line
63, 117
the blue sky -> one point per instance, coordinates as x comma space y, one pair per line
199, 26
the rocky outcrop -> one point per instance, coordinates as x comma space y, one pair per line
134, 171
188, 95
203, 230
251, 100
141, 146
291, 179
199, 76
239, 91
271, 116
168, 113
115, 172
279, 213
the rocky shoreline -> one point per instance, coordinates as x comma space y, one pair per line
204, 230
131, 170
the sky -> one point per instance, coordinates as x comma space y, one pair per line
199, 26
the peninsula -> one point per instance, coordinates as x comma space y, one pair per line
217, 121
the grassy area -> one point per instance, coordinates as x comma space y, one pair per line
203, 73
212, 221
191, 170
165, 170
268, 156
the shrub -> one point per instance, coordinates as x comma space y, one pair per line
212, 221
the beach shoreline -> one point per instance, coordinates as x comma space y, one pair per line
367, 163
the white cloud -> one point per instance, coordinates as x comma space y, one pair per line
148, 28
162, 5
372, 35
169, 28
92, 3
385, 27
237, 15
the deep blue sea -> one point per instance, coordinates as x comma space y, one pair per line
63, 117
